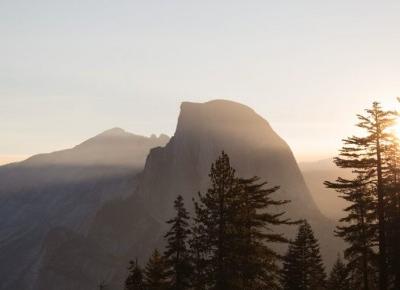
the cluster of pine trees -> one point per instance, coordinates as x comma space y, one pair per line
227, 244
371, 227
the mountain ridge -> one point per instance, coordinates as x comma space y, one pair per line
135, 225
61, 189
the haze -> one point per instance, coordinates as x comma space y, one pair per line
72, 69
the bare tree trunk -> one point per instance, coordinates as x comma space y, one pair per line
381, 220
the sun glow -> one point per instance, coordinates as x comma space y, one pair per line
394, 105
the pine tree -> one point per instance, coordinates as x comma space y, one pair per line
392, 182
303, 268
366, 156
177, 253
198, 253
156, 272
339, 277
135, 277
214, 230
256, 261
358, 228
232, 232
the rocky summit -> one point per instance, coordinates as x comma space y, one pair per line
131, 227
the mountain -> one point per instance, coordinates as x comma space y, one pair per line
131, 227
62, 189
328, 200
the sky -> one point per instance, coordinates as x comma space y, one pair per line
72, 69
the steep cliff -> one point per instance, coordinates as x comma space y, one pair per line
132, 227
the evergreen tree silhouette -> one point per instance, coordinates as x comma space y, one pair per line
135, 277
214, 229
392, 182
198, 252
156, 272
231, 234
366, 156
177, 255
303, 268
338, 277
256, 261
358, 228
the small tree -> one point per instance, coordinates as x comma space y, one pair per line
177, 256
156, 272
135, 277
339, 277
303, 268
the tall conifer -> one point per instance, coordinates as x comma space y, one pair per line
366, 156
392, 185
358, 228
177, 256
215, 212
256, 260
233, 232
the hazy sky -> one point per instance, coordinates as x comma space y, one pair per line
71, 69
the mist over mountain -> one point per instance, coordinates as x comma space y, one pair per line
62, 189
133, 226
328, 200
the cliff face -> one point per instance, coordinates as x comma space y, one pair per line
203, 131
62, 189
134, 226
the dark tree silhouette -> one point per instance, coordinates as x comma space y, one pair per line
366, 156
232, 232
256, 261
339, 277
358, 228
198, 253
392, 182
303, 268
156, 272
135, 277
177, 255
214, 230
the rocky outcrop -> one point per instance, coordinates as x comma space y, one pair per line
134, 226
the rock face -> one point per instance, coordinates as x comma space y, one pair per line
132, 227
62, 189
203, 131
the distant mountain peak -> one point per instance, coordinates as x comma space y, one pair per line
114, 146
217, 103
223, 117
116, 131
218, 110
